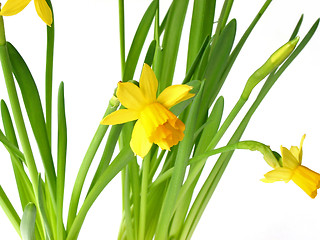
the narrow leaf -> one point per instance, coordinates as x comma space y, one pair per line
9, 210
61, 163
33, 106
138, 41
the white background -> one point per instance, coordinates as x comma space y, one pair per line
87, 60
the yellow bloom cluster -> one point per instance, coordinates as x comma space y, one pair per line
13, 7
156, 124
291, 169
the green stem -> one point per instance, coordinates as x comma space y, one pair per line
122, 36
84, 168
127, 203
144, 192
10, 211
49, 71
236, 109
122, 159
16, 109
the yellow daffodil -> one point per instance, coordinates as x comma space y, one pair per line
291, 169
13, 7
156, 124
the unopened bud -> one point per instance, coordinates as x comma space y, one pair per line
273, 62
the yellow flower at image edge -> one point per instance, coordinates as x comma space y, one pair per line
12, 7
156, 124
305, 178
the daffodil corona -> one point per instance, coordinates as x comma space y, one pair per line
156, 124
12, 7
291, 169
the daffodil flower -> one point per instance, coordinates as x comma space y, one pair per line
156, 124
291, 169
13, 7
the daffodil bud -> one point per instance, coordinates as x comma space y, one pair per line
114, 102
269, 156
273, 62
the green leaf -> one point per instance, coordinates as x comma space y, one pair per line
296, 30
201, 27
9, 210
122, 159
150, 53
197, 60
43, 209
211, 126
61, 163
11, 146
28, 221
33, 106
171, 42
180, 165
217, 63
138, 42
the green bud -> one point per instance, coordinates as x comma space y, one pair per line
114, 102
273, 62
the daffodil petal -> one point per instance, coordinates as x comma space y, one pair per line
300, 149
278, 174
139, 143
130, 96
295, 151
307, 180
13, 7
44, 11
288, 159
174, 94
148, 83
120, 116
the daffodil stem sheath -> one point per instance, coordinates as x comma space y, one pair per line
16, 109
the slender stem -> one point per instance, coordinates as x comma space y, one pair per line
127, 203
236, 109
144, 192
122, 36
49, 71
84, 168
16, 109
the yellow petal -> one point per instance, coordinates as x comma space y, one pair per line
148, 83
131, 96
13, 7
278, 174
300, 149
288, 158
120, 116
174, 94
44, 11
139, 143
307, 180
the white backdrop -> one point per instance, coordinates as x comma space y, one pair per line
87, 60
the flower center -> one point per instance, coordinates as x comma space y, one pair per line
162, 126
